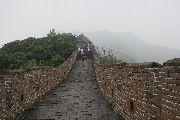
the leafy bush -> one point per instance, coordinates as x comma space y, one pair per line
51, 50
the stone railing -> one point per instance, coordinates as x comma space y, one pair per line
141, 91
19, 89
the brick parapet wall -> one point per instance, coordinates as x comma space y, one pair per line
140, 91
19, 89
144, 93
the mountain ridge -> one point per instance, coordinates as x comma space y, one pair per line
130, 48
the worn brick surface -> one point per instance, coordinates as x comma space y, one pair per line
77, 98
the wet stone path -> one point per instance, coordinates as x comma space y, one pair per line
77, 98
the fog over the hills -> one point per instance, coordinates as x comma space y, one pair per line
128, 47
136, 23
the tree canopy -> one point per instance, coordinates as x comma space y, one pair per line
51, 50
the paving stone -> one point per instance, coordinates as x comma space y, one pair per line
77, 98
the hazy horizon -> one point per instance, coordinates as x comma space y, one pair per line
156, 21
130, 48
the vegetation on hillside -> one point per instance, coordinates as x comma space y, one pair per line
106, 56
51, 50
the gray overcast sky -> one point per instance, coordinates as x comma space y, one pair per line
155, 21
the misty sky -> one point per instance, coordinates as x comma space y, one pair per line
155, 21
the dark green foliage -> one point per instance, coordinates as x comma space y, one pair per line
52, 50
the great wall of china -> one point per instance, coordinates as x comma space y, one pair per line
139, 91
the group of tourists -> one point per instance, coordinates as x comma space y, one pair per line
84, 52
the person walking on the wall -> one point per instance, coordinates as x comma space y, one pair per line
82, 57
79, 53
79, 49
88, 51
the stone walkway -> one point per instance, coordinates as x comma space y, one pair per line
77, 98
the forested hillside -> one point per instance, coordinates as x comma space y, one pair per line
51, 50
